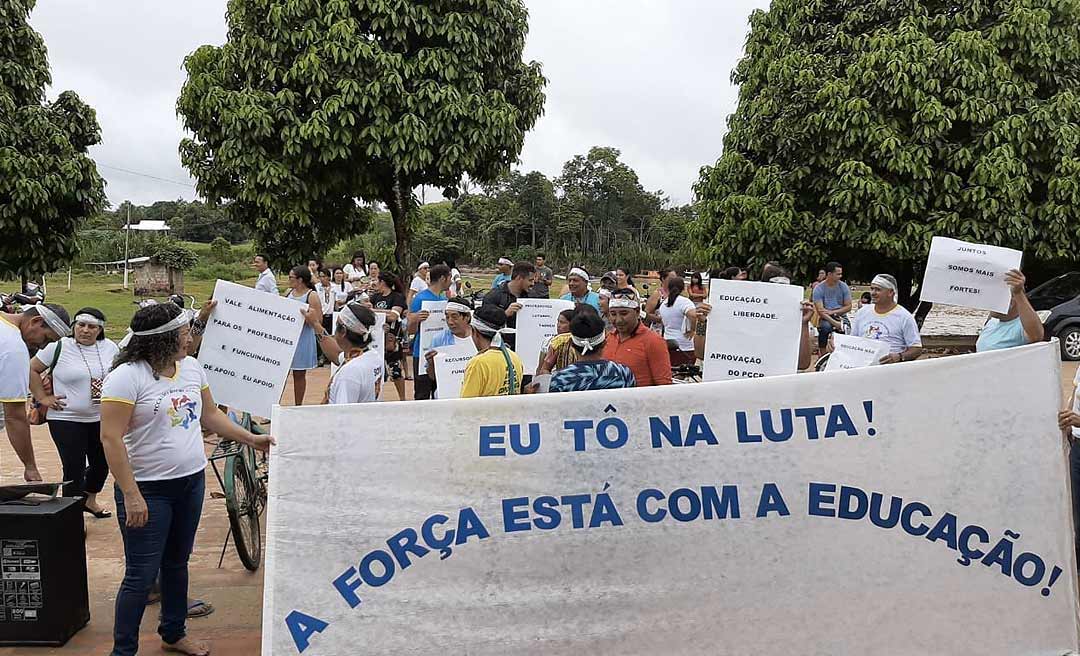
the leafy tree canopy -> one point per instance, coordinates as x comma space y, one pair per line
314, 106
866, 127
48, 184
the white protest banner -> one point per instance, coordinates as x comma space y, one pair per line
248, 347
429, 328
850, 352
450, 363
753, 330
971, 275
746, 517
537, 322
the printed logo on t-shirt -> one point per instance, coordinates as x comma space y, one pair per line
182, 412
876, 330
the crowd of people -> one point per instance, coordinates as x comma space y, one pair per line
138, 409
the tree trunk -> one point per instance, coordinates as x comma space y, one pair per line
397, 202
904, 280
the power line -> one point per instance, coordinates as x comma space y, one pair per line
146, 175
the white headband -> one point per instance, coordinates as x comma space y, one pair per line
781, 280
580, 273
422, 265
181, 320
460, 307
351, 322
89, 319
506, 262
623, 302
883, 282
483, 327
51, 320
588, 343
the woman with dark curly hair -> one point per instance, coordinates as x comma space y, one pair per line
306, 356
154, 405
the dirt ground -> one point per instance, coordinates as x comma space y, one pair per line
235, 627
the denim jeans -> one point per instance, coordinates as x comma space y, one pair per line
164, 543
1074, 475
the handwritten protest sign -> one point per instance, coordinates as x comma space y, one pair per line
429, 328
450, 363
681, 519
248, 347
850, 352
971, 275
753, 330
537, 322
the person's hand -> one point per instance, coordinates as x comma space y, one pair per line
313, 318
807, 311
1068, 419
532, 388
1015, 280
513, 309
703, 310
206, 311
891, 358
135, 510
430, 357
261, 442
31, 474
53, 402
422, 316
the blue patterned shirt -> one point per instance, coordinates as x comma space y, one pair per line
592, 375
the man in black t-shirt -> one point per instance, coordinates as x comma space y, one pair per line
505, 296
387, 299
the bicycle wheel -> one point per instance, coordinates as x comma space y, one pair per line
241, 503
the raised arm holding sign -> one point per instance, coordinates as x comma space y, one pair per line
967, 274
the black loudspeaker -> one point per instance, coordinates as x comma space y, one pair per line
43, 592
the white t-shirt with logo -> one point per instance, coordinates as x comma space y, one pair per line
74, 370
14, 365
418, 284
357, 380
164, 439
897, 327
675, 321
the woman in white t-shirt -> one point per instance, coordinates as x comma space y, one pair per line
419, 282
356, 270
679, 316
78, 365
360, 366
154, 405
341, 289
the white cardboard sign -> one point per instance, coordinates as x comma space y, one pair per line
450, 363
248, 347
429, 328
926, 500
970, 275
753, 330
537, 322
851, 352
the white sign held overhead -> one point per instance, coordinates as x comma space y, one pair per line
680, 520
969, 275
429, 328
537, 322
753, 330
248, 347
450, 363
850, 352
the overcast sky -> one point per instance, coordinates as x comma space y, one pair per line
649, 77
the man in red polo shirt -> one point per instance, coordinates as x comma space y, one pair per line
634, 345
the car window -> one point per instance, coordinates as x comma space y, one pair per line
1066, 285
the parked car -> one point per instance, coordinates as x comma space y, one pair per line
1055, 291
1063, 322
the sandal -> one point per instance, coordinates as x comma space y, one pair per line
100, 514
199, 608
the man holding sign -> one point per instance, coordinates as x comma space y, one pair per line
1020, 325
439, 281
887, 321
969, 275
455, 340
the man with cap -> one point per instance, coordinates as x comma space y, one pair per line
360, 373
505, 265
578, 282
634, 345
590, 371
506, 295
37, 326
458, 333
495, 370
887, 321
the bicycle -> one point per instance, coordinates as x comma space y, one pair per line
244, 486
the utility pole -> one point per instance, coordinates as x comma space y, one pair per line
127, 235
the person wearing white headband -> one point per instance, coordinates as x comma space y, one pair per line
633, 344
360, 373
495, 370
505, 265
155, 404
420, 281
457, 336
31, 330
77, 366
889, 322
577, 282
591, 371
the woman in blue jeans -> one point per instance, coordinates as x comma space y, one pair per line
154, 405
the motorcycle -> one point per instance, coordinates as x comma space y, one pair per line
477, 296
31, 294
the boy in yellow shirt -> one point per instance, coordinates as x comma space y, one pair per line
495, 370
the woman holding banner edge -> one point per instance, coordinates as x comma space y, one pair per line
155, 404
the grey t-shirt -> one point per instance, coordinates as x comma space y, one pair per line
542, 289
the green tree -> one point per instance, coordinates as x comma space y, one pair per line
313, 104
48, 184
865, 128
